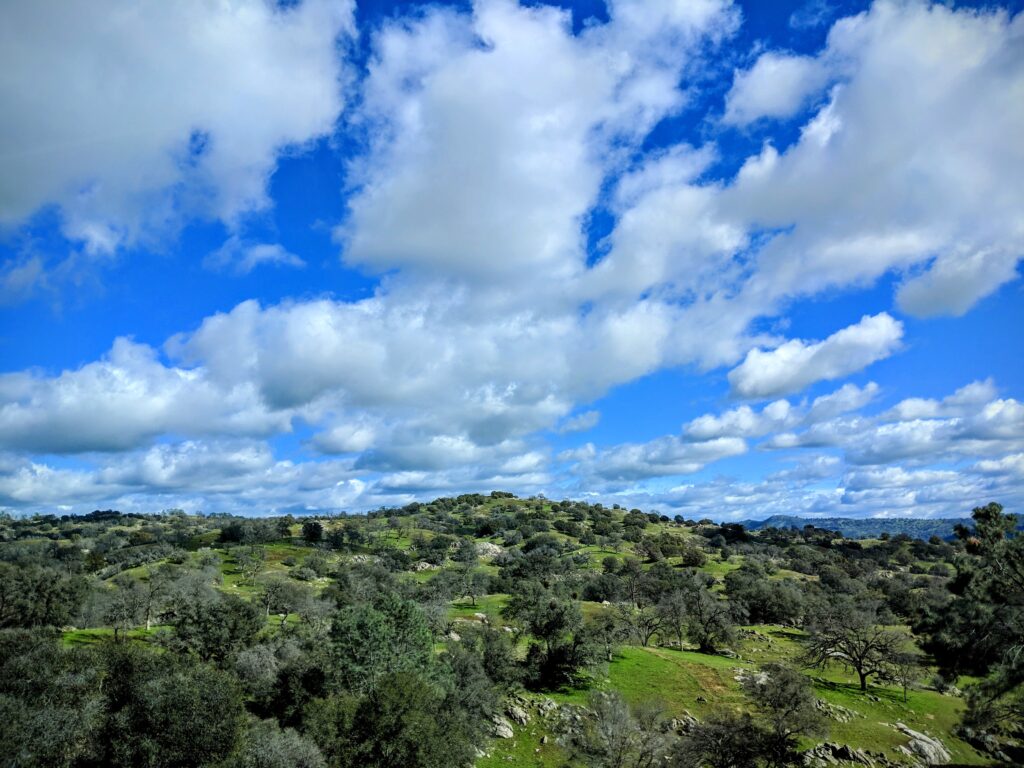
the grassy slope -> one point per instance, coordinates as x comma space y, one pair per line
677, 679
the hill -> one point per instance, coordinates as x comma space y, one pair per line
867, 528
486, 630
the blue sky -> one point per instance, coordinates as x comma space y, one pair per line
711, 258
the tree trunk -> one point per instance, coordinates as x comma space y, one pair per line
863, 680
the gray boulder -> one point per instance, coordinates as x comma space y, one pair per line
924, 748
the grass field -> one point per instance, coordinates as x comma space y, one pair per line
686, 681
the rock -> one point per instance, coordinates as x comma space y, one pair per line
836, 712
544, 739
423, 565
501, 727
546, 706
851, 755
833, 754
487, 549
743, 675
454, 636
925, 748
684, 723
984, 742
518, 714
480, 617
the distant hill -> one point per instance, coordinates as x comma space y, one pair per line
867, 528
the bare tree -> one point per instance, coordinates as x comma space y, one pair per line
852, 637
905, 668
643, 623
613, 736
674, 614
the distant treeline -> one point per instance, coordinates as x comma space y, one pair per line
868, 528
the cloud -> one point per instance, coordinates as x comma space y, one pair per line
796, 364
777, 86
487, 142
848, 397
122, 402
663, 457
972, 422
21, 278
954, 282
744, 422
939, 132
132, 121
811, 14
1012, 464
494, 131
243, 257
582, 422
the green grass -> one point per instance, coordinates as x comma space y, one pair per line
677, 679
524, 749
490, 605
719, 569
79, 637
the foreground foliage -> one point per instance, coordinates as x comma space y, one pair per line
406, 637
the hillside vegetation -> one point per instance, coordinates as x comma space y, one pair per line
489, 630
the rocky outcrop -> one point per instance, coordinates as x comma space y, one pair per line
684, 723
546, 706
501, 728
487, 549
830, 753
924, 749
517, 714
836, 712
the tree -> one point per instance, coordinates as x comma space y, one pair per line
905, 668
164, 711
643, 623
125, 606
979, 630
51, 703
709, 621
215, 629
786, 704
474, 583
312, 532
370, 641
614, 736
674, 614
606, 632
402, 722
546, 617
723, 740
279, 594
849, 633
157, 590
31, 596
466, 553
267, 745
250, 561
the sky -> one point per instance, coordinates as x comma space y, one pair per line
712, 258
